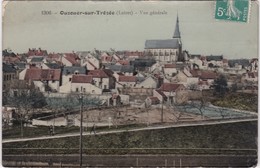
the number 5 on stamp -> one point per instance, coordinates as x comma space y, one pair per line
233, 10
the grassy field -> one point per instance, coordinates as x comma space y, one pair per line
241, 101
232, 136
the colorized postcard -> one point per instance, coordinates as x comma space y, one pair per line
130, 84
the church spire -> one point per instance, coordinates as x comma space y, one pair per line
177, 33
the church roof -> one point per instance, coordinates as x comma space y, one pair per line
177, 33
162, 44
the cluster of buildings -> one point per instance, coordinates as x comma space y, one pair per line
163, 68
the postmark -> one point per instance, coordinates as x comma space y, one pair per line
232, 10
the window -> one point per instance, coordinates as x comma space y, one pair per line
77, 89
69, 79
105, 86
84, 89
93, 91
53, 81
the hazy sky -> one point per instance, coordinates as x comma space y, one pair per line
25, 27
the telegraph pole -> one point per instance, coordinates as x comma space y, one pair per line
80, 138
162, 104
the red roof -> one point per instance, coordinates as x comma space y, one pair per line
98, 74
39, 52
127, 79
42, 74
169, 66
134, 53
154, 100
11, 59
123, 62
168, 87
204, 74
81, 79
72, 58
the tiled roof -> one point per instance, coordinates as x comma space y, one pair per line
204, 74
123, 62
98, 74
154, 100
72, 58
127, 79
162, 44
169, 66
42, 74
38, 52
168, 87
81, 79
162, 94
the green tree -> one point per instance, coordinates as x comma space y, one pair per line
220, 85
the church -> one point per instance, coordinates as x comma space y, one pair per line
166, 50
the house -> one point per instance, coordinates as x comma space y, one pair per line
70, 59
214, 61
197, 62
51, 66
127, 70
254, 65
170, 69
132, 55
89, 60
44, 79
9, 74
37, 52
149, 82
106, 58
37, 61
100, 78
84, 84
186, 78
68, 71
151, 101
126, 81
250, 77
169, 91
239, 63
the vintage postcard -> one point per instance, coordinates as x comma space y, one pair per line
130, 84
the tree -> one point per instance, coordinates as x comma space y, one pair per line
25, 98
220, 85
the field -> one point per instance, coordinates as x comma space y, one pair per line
210, 139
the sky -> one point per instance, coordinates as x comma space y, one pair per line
24, 27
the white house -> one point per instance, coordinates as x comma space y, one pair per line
170, 70
100, 78
126, 81
44, 79
149, 82
68, 71
84, 83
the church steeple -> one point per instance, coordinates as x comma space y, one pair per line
177, 33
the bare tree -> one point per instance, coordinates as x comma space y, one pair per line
24, 98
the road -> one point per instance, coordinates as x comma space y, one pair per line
185, 124
131, 160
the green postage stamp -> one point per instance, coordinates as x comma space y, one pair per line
233, 10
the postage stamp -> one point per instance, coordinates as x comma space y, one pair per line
232, 10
